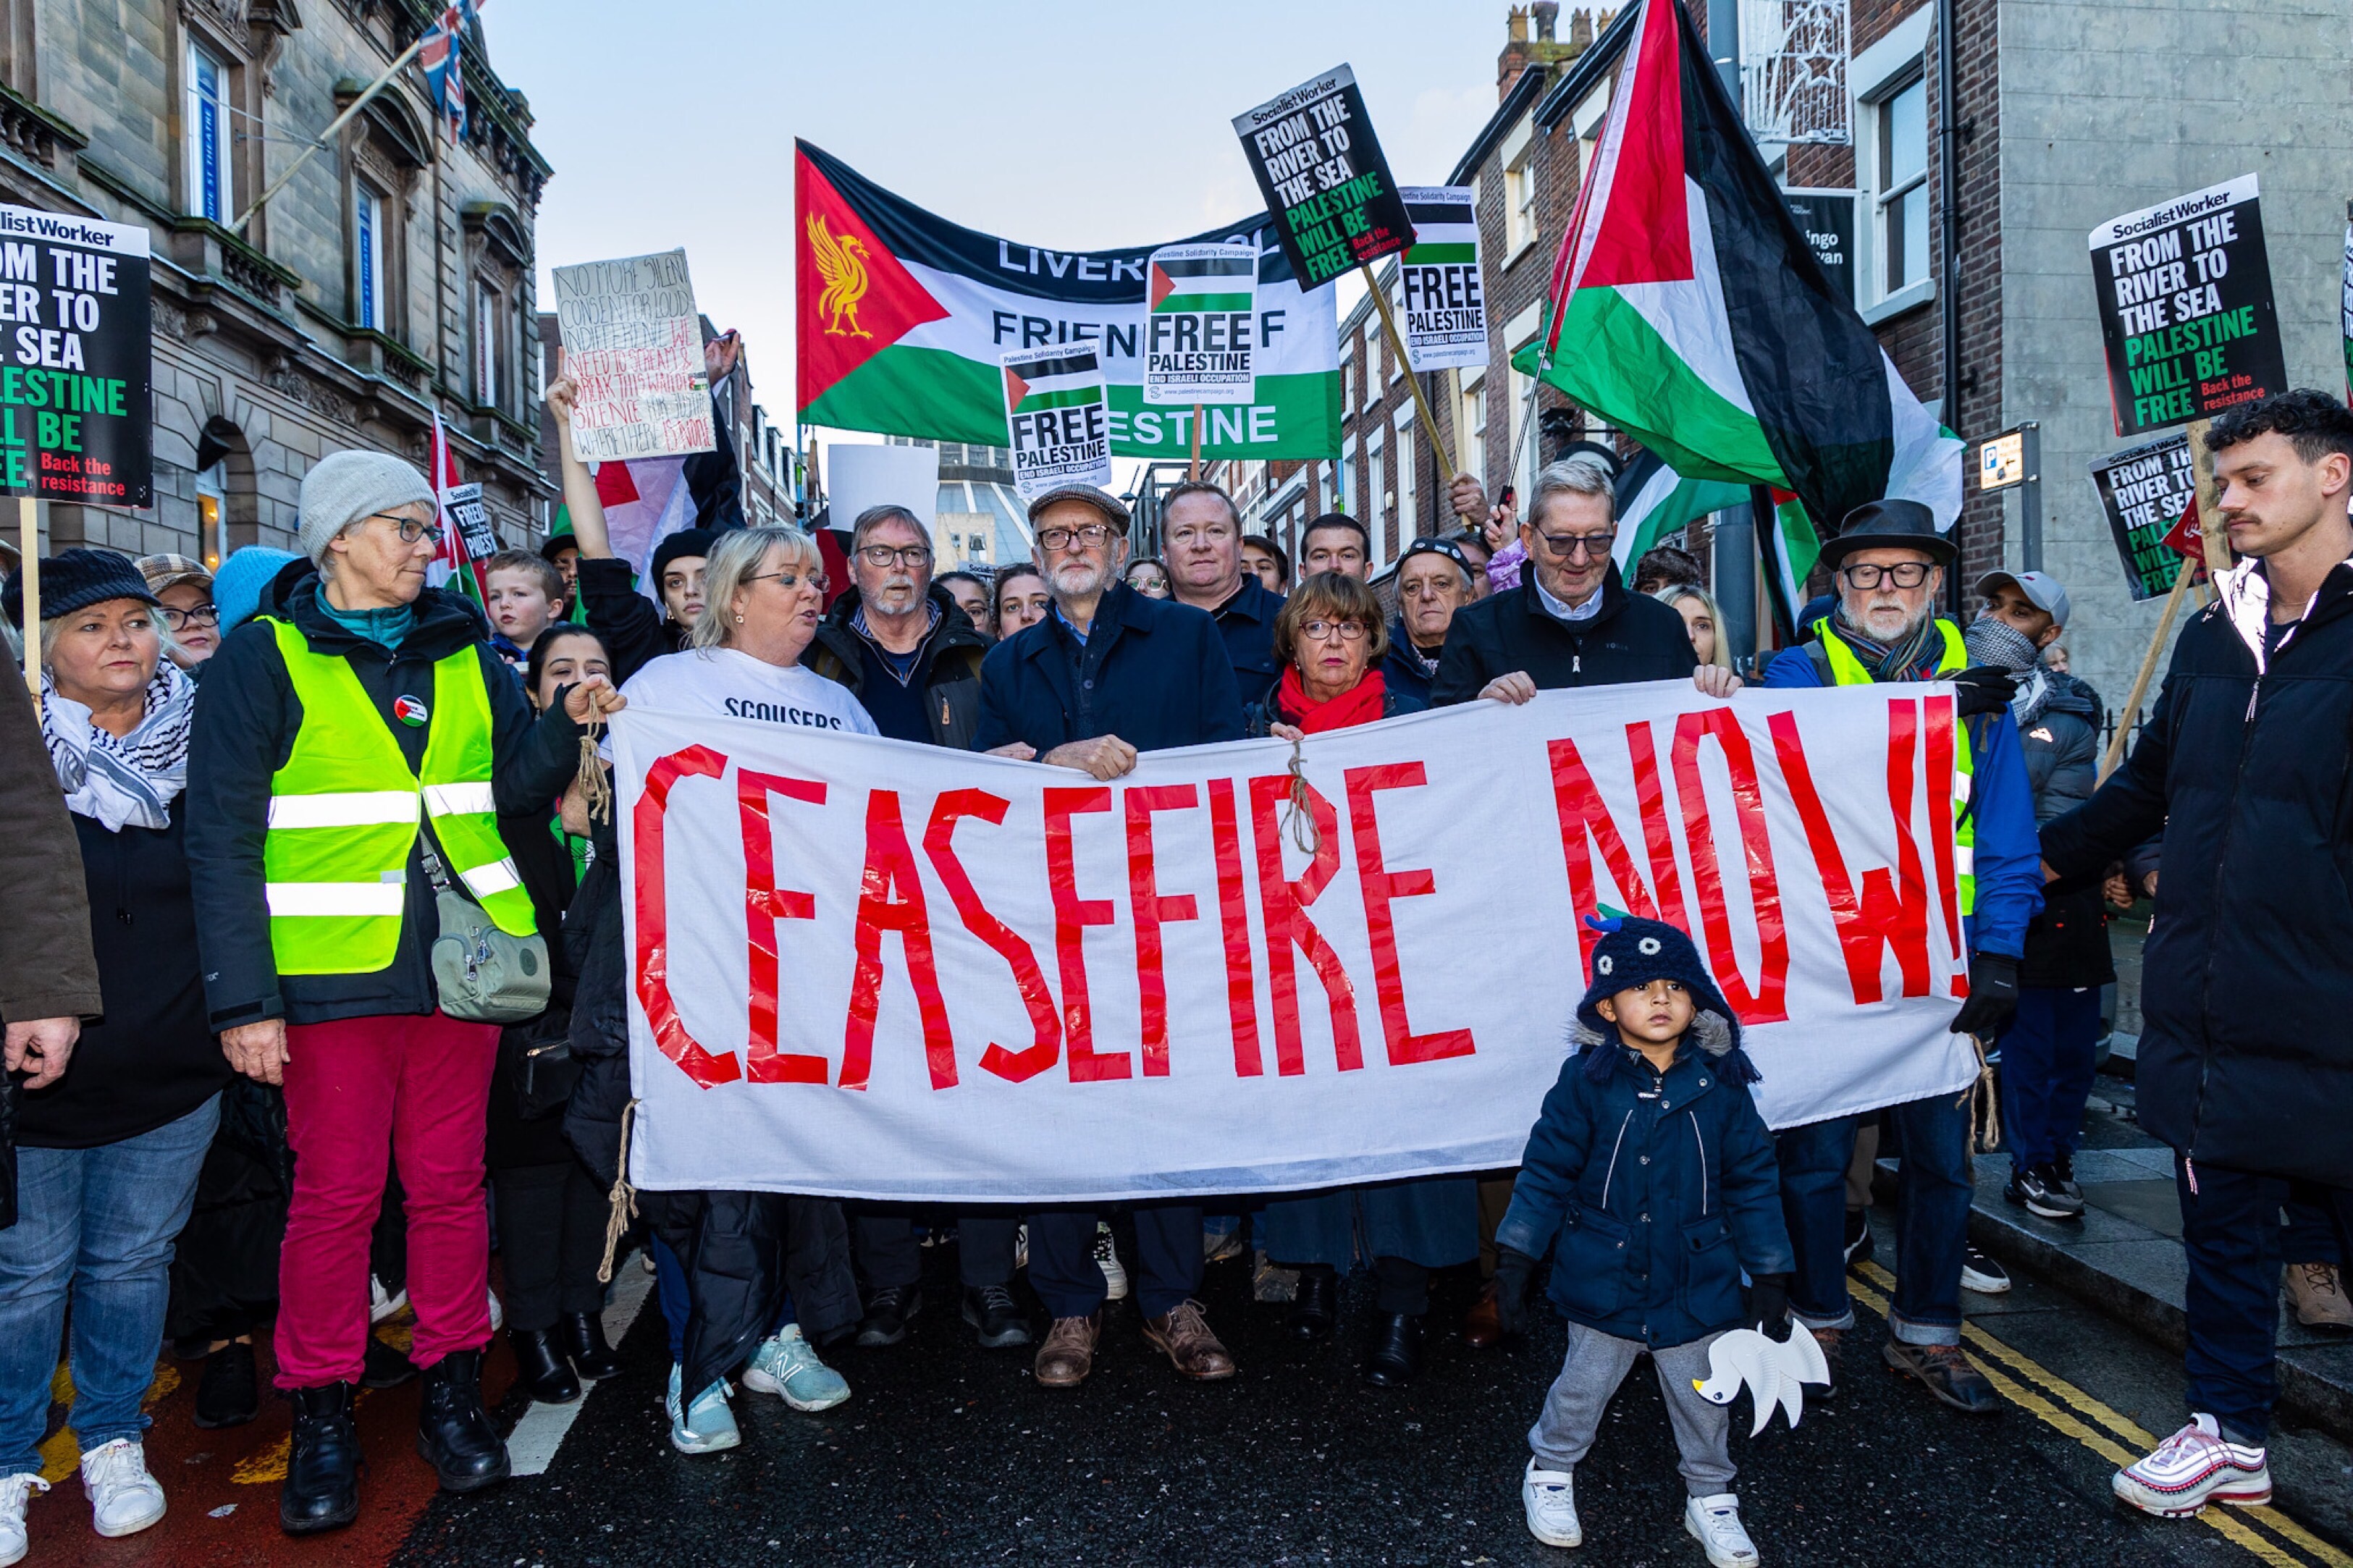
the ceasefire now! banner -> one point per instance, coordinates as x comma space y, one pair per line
873, 969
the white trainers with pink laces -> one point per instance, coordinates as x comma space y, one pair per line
2195, 1467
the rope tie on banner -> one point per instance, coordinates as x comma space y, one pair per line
1300, 819
596, 788
1984, 1102
622, 1200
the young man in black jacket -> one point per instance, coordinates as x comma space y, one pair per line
2246, 1062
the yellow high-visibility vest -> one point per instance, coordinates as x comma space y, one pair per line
345, 811
1846, 669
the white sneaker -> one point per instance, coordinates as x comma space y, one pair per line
1714, 1523
15, 1495
124, 1497
1114, 1275
1982, 1273
1551, 1505
2194, 1468
382, 1303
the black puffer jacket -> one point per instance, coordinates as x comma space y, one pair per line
247, 717
2246, 1054
951, 668
2067, 945
1632, 637
634, 632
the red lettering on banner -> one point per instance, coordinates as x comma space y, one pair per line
1151, 908
1072, 915
1046, 1028
1283, 905
1233, 924
890, 898
1881, 916
1584, 815
763, 905
653, 919
1382, 886
1940, 818
1768, 1002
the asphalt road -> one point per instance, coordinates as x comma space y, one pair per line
947, 1454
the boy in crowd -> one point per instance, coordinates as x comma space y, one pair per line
524, 593
1653, 1172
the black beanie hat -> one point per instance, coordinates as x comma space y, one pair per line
1631, 953
76, 579
685, 542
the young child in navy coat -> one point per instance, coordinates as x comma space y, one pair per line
1652, 1175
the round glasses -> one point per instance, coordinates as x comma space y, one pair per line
181, 620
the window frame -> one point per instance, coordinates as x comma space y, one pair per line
1409, 510
370, 286
1887, 198
488, 315
1376, 491
220, 167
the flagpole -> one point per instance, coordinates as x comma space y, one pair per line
1396, 347
28, 542
329, 134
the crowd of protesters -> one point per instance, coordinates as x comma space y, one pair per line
315, 962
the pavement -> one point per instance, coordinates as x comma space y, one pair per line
948, 1454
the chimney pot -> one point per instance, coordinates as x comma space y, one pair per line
1544, 12
1517, 24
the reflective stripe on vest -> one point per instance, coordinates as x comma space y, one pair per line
345, 809
1846, 669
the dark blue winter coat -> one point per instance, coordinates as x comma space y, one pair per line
1659, 1190
1246, 625
1152, 671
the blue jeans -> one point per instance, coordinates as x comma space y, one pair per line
1932, 1220
2047, 1054
2231, 1229
95, 1227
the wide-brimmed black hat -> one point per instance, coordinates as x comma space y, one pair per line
1890, 525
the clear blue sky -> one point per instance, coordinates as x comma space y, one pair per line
1072, 125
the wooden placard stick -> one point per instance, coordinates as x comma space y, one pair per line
29, 544
1194, 472
2131, 709
1396, 347
2216, 537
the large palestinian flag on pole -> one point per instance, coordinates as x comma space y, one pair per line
904, 318
1688, 310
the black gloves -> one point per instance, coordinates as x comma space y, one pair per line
1768, 1304
1983, 689
1512, 1273
1993, 995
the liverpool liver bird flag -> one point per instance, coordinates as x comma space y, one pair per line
1688, 310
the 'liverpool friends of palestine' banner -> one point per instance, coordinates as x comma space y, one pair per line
975, 979
904, 316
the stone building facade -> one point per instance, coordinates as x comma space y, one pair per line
394, 276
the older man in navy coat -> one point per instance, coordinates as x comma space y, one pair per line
1108, 674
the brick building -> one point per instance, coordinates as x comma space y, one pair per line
392, 277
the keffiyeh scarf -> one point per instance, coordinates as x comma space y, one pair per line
122, 780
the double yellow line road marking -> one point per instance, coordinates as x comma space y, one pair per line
2059, 1404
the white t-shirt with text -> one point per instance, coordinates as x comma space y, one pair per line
735, 685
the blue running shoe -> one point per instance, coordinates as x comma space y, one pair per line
705, 1427
786, 1365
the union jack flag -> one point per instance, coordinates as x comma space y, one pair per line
444, 75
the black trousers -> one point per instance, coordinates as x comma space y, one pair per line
551, 1239
1063, 1272
883, 1241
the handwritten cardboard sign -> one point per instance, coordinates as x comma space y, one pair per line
633, 345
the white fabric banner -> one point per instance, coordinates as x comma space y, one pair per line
871, 969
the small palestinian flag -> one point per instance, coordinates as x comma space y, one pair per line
1688, 310
1445, 226
1062, 383
1203, 278
1440, 302
1653, 500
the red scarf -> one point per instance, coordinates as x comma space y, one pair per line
1360, 704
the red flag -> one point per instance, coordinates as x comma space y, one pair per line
452, 561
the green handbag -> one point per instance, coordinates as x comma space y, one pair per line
485, 975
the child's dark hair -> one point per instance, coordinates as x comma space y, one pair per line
2314, 423
543, 649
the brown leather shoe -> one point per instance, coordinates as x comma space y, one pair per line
1483, 1326
1068, 1353
1184, 1333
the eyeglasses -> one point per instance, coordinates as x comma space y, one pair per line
1091, 534
1347, 631
181, 620
904, 555
409, 528
1903, 574
788, 581
1569, 546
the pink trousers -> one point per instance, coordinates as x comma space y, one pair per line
364, 1095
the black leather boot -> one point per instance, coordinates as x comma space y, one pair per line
1395, 1356
229, 1393
323, 1464
1315, 1303
541, 1366
581, 1337
453, 1431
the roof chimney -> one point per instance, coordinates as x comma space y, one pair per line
1544, 12
1580, 30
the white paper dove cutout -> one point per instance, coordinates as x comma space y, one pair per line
1773, 1369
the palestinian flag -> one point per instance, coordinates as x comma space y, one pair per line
1689, 311
1204, 283
904, 319
1653, 501
1445, 226
1790, 546
1040, 385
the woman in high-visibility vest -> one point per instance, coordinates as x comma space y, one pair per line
339, 739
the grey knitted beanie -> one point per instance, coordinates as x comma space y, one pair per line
342, 488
